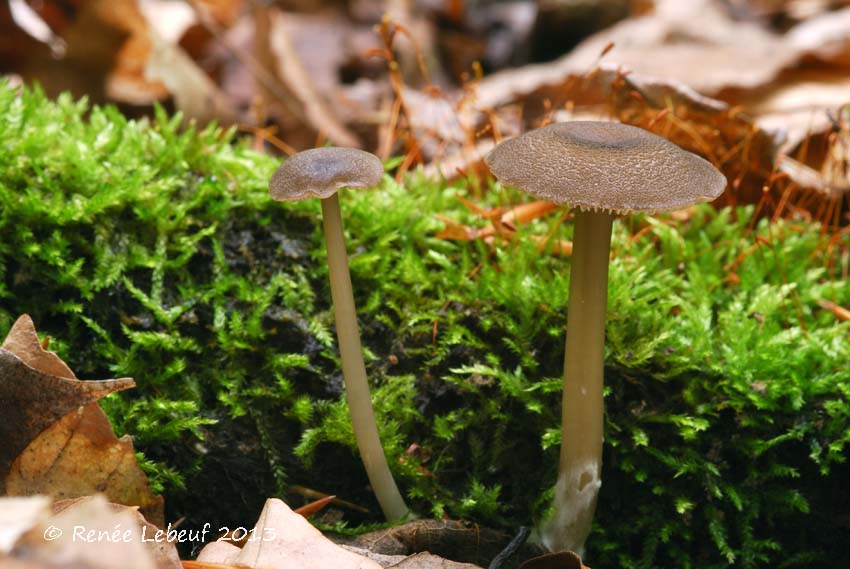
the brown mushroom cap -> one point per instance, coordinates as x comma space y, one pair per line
321, 172
605, 166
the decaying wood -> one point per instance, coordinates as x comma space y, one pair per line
457, 540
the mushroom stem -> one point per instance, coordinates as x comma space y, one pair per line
353, 368
580, 465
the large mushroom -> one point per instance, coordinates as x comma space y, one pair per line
320, 173
600, 169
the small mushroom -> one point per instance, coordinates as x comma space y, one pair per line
320, 173
600, 169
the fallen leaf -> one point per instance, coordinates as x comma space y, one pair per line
798, 106
31, 399
90, 533
78, 454
824, 36
195, 94
283, 539
219, 553
128, 80
161, 550
106, 47
803, 175
426, 560
291, 71
689, 42
18, 516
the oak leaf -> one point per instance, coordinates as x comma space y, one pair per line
57, 440
284, 539
86, 533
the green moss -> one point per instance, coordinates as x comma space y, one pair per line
150, 250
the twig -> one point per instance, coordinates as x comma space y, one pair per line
519, 539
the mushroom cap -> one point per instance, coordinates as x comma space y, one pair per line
605, 166
321, 172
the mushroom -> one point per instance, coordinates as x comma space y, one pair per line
320, 173
600, 169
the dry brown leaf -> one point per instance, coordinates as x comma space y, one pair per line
31, 399
689, 42
291, 71
820, 180
435, 115
787, 10
170, 20
22, 340
219, 552
18, 47
803, 175
128, 80
161, 550
78, 454
284, 539
195, 94
426, 560
326, 41
91, 533
113, 53
824, 36
91, 48
836, 164
18, 516
798, 106
693, 43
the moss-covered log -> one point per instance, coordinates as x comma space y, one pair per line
151, 250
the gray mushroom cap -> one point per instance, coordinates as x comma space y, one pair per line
605, 166
321, 172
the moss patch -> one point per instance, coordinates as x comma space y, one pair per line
150, 250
